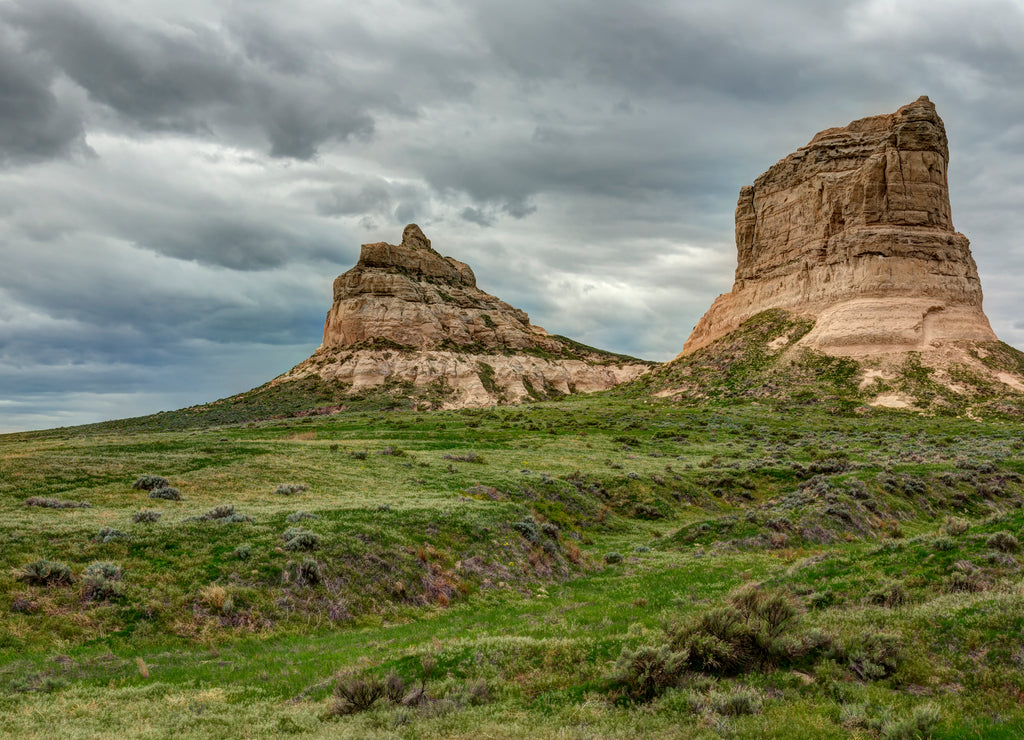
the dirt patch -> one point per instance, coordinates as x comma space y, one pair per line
893, 401
1011, 380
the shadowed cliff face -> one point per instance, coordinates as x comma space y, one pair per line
855, 231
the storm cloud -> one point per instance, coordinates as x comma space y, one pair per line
179, 184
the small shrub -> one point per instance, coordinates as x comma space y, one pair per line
874, 655
44, 572
145, 517
955, 526
736, 703
395, 688
306, 572
299, 516
966, 582
612, 557
289, 489
222, 515
55, 503
746, 634
641, 549
392, 451
890, 594
298, 539
101, 569
243, 552
528, 528
644, 673
215, 597
944, 544
150, 483
1001, 559
101, 581
109, 534
353, 694
358, 454
921, 724
550, 530
1003, 541
167, 493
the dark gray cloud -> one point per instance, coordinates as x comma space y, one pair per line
34, 123
180, 183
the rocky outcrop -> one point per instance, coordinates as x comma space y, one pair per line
405, 316
854, 230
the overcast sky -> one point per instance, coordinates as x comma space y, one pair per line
180, 183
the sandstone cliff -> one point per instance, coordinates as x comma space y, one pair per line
854, 230
852, 285
407, 317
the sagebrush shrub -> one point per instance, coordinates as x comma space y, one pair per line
612, 557
920, 725
299, 516
222, 514
288, 489
243, 552
145, 517
166, 492
645, 673
306, 572
45, 572
874, 655
744, 635
109, 534
891, 594
528, 528
955, 526
736, 703
101, 581
1003, 541
55, 503
297, 539
394, 688
354, 694
150, 483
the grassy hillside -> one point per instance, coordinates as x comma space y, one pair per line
598, 566
761, 361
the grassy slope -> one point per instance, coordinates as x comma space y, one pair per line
421, 556
759, 361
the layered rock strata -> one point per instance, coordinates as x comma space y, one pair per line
407, 315
855, 231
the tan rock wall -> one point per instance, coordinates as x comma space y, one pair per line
860, 215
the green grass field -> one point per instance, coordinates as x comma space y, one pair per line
609, 566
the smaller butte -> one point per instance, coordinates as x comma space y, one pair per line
406, 318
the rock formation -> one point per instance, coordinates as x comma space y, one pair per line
854, 230
411, 295
406, 315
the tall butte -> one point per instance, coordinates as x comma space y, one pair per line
409, 320
854, 231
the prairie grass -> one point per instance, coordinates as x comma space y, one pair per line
486, 588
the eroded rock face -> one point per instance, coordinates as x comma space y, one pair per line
411, 295
855, 231
406, 315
